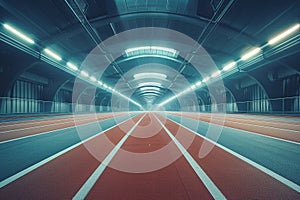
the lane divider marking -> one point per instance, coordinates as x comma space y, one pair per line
209, 184
87, 186
46, 160
249, 132
276, 176
43, 133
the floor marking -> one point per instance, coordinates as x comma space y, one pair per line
35, 166
87, 186
251, 132
71, 117
276, 176
43, 133
209, 184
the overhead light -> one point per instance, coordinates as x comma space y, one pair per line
72, 66
149, 88
251, 53
150, 91
149, 84
52, 54
84, 73
217, 73
150, 75
99, 82
151, 50
18, 33
105, 86
92, 78
206, 79
284, 34
193, 87
198, 83
229, 66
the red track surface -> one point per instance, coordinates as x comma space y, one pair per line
62, 177
13, 130
275, 128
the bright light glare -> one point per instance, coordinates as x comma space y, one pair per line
52, 54
18, 33
229, 66
105, 86
149, 88
99, 82
193, 87
92, 78
198, 83
170, 50
284, 34
217, 73
72, 66
150, 75
84, 73
251, 53
149, 84
206, 79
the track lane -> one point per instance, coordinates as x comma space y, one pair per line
21, 154
279, 166
46, 128
278, 132
177, 180
63, 176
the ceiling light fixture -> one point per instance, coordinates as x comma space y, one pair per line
229, 66
72, 66
251, 53
52, 54
84, 73
18, 33
149, 75
149, 84
284, 34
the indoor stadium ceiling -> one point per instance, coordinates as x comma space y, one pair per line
73, 28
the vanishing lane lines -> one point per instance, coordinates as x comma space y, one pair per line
87, 186
276, 176
37, 165
211, 187
46, 132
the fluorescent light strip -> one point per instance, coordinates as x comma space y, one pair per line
284, 34
92, 78
149, 84
150, 75
84, 73
52, 54
251, 53
149, 88
18, 33
217, 73
72, 66
170, 50
99, 82
205, 80
229, 66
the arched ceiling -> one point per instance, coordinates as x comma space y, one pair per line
225, 28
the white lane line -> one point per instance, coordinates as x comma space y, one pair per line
276, 176
250, 132
43, 133
209, 184
46, 160
87, 186
36, 127
71, 117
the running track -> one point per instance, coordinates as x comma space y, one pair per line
150, 156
